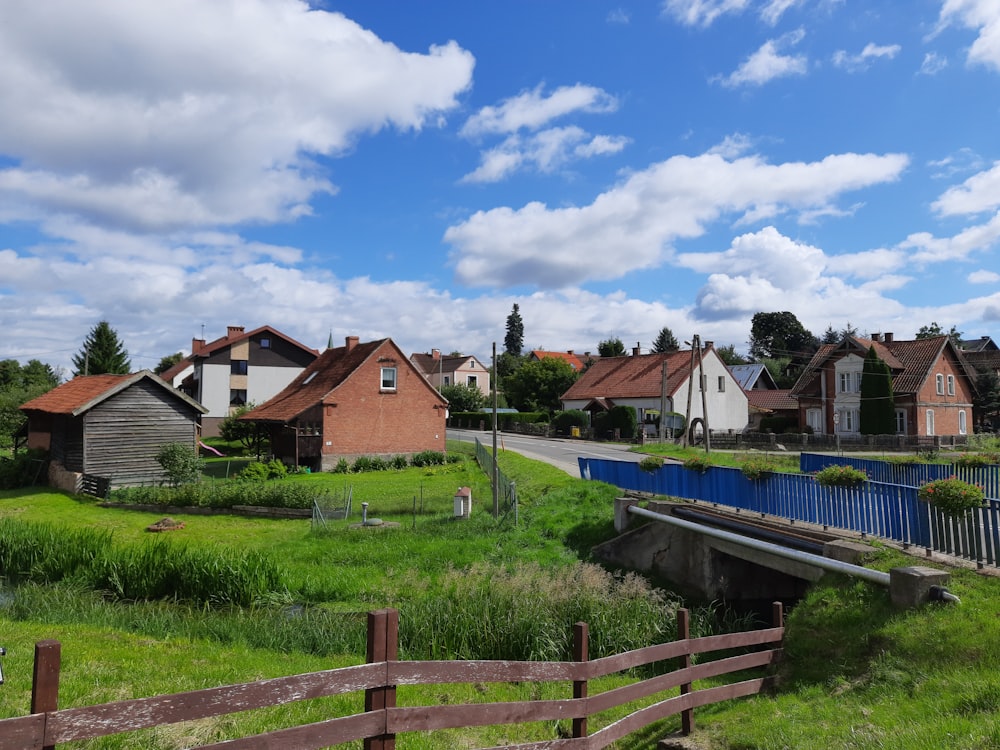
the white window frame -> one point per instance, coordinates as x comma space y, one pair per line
939, 384
900, 421
722, 384
472, 381
962, 422
951, 385
814, 418
929, 421
388, 382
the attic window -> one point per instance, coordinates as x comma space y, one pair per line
388, 379
310, 377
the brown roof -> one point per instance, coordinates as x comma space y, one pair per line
568, 357
772, 400
83, 392
429, 364
910, 361
236, 334
315, 383
630, 377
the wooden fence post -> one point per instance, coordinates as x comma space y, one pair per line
45, 679
684, 634
581, 652
383, 645
778, 614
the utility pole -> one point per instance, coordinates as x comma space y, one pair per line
663, 402
494, 478
687, 414
703, 384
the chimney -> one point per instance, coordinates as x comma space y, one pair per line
635, 349
350, 342
709, 344
233, 331
569, 351
435, 354
197, 345
887, 338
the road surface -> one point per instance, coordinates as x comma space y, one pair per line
560, 452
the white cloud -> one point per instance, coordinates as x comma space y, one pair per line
531, 110
984, 17
862, 60
767, 63
158, 116
982, 276
933, 63
732, 146
773, 10
701, 12
963, 160
619, 16
979, 193
629, 226
926, 248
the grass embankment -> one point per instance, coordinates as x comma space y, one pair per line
857, 673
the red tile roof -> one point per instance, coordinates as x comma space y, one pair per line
630, 377
772, 400
228, 340
568, 357
83, 392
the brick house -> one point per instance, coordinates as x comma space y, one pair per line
237, 369
932, 386
110, 426
461, 369
577, 363
361, 399
637, 381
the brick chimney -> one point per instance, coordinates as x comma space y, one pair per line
709, 344
350, 342
234, 331
435, 354
635, 349
197, 345
887, 338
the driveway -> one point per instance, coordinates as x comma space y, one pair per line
560, 452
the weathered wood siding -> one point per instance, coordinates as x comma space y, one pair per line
123, 434
66, 445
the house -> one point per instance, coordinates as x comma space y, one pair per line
770, 407
110, 426
638, 381
932, 386
568, 356
243, 367
461, 369
361, 399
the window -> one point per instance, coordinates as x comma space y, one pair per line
702, 384
238, 397
388, 378
472, 381
814, 418
848, 420
951, 385
929, 420
939, 381
265, 343
722, 384
238, 367
447, 379
849, 382
900, 421
961, 422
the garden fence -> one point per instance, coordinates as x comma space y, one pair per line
506, 488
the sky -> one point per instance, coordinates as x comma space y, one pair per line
389, 168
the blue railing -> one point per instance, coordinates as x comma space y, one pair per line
881, 509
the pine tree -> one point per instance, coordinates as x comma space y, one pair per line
878, 413
513, 342
665, 342
102, 352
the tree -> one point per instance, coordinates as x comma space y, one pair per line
102, 353
780, 334
986, 401
611, 348
539, 386
463, 397
249, 434
17, 385
513, 342
830, 336
878, 411
665, 342
729, 355
932, 330
180, 462
167, 362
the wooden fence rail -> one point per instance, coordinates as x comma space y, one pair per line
382, 719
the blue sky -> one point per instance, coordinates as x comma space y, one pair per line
412, 170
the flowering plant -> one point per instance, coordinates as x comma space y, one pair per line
757, 468
698, 463
651, 463
841, 476
952, 496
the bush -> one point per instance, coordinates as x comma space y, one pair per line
757, 468
369, 463
180, 462
564, 421
952, 496
22, 470
399, 462
977, 460
342, 467
698, 463
841, 476
260, 471
623, 419
651, 463
427, 458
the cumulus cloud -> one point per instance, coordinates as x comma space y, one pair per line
702, 12
188, 114
629, 226
862, 60
926, 248
767, 63
543, 147
984, 17
982, 276
979, 193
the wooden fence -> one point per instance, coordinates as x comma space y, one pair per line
382, 719
881, 509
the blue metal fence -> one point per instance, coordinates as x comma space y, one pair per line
881, 509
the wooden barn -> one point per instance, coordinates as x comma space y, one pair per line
110, 427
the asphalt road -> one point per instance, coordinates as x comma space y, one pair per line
560, 452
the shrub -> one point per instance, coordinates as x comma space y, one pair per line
260, 471
623, 419
651, 463
977, 459
952, 496
563, 421
369, 463
181, 463
427, 458
757, 467
698, 463
841, 476
399, 462
342, 467
23, 469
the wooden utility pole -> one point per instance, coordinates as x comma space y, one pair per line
703, 384
687, 414
494, 476
663, 402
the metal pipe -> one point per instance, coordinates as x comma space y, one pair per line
768, 535
825, 563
